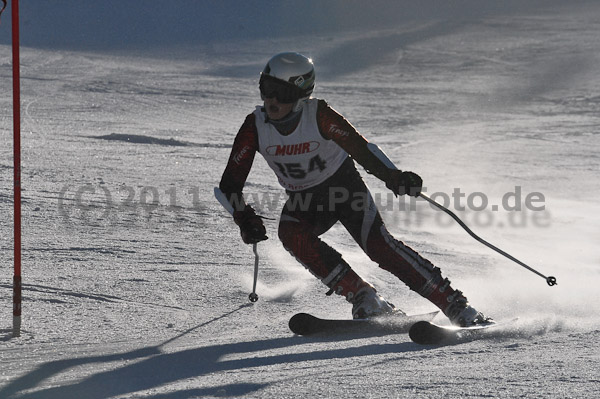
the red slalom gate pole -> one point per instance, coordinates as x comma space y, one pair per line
17, 168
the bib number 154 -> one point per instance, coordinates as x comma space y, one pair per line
296, 170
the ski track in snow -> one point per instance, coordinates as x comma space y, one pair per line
135, 281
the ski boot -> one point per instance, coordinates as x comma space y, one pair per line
462, 314
367, 304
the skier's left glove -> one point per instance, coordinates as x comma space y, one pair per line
404, 183
251, 225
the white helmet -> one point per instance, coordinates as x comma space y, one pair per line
288, 76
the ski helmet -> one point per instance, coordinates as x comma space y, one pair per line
290, 77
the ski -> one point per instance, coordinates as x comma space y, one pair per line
427, 333
307, 324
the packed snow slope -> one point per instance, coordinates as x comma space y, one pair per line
135, 280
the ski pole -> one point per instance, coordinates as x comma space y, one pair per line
388, 162
253, 297
550, 279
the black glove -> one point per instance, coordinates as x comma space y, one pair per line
251, 225
404, 183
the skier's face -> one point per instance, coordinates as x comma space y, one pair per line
276, 110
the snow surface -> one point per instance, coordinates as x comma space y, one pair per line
135, 281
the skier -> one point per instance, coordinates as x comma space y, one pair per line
312, 149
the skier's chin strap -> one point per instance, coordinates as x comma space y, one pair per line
285, 125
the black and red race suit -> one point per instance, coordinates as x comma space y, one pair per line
315, 164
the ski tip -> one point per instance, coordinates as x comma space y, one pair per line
300, 323
426, 333
417, 329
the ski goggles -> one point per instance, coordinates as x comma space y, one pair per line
285, 93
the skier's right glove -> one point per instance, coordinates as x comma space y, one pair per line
251, 225
404, 183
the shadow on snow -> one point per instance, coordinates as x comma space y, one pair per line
149, 367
